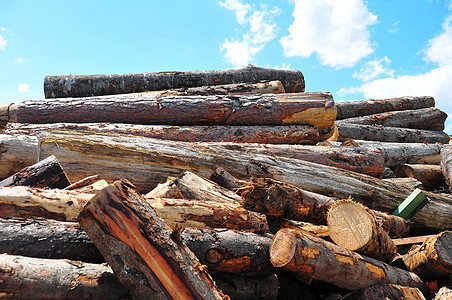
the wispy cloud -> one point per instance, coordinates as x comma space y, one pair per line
2, 43
3, 29
374, 68
19, 60
395, 27
23, 88
336, 30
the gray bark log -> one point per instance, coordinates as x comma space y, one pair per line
446, 164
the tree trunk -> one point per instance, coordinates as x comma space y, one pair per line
350, 109
430, 175
446, 164
37, 278
85, 86
45, 173
225, 179
288, 134
315, 109
16, 153
308, 256
425, 118
239, 287
265, 87
353, 228
150, 261
389, 291
230, 251
391, 134
208, 214
433, 259
43, 238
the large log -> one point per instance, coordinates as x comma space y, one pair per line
446, 164
350, 109
263, 287
244, 88
389, 291
425, 118
433, 259
36, 278
16, 153
315, 109
308, 256
84, 86
149, 259
45, 173
390, 134
430, 175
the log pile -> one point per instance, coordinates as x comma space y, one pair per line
228, 184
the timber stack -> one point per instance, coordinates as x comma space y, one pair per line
227, 184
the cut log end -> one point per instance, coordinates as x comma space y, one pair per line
282, 254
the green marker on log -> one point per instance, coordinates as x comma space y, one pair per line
411, 205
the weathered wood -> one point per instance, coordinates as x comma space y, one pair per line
431, 176
87, 85
36, 278
425, 118
446, 164
390, 134
433, 259
244, 88
350, 109
411, 240
248, 288
410, 183
83, 182
16, 153
230, 251
308, 256
131, 236
318, 230
167, 189
353, 228
444, 293
44, 238
45, 173
315, 109
389, 291
225, 179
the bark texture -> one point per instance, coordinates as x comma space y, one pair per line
446, 164
431, 176
238, 287
88, 85
308, 256
37, 278
150, 261
350, 109
225, 179
17, 152
390, 291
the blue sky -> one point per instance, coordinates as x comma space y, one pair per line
355, 49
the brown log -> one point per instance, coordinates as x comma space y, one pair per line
444, 293
308, 256
230, 251
45, 173
446, 164
244, 88
410, 183
83, 85
425, 118
315, 109
318, 230
225, 179
411, 240
44, 238
431, 176
36, 278
390, 134
264, 287
131, 236
208, 214
350, 109
389, 291
83, 182
433, 259
353, 228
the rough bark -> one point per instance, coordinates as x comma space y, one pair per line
230, 251
264, 287
150, 261
44, 238
390, 134
446, 164
225, 179
353, 228
208, 214
409, 183
37, 278
425, 118
315, 109
433, 259
88, 85
390, 291
16, 153
265, 87
308, 256
350, 109
45, 173
431, 176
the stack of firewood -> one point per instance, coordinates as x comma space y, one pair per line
212, 187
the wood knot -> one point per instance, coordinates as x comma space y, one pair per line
213, 256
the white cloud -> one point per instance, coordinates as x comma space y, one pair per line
336, 30
283, 67
394, 27
260, 30
3, 29
19, 60
2, 42
440, 47
23, 88
374, 68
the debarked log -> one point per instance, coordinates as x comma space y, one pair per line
446, 164
350, 109
17, 152
390, 134
87, 85
315, 109
308, 256
36, 278
149, 259
430, 175
425, 118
